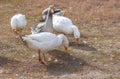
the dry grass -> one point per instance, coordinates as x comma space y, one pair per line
97, 56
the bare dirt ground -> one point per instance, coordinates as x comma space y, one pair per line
97, 56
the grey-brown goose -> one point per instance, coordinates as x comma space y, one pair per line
45, 26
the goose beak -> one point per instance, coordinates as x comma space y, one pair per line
77, 40
66, 48
15, 32
52, 11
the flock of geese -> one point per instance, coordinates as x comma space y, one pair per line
44, 36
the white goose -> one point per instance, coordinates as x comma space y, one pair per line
44, 42
18, 22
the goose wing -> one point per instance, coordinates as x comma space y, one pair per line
61, 20
42, 37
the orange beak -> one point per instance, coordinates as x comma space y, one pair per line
77, 40
52, 11
15, 32
66, 48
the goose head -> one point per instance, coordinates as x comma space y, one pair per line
50, 10
65, 41
18, 22
56, 12
76, 33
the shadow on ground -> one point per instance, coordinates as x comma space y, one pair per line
4, 61
20, 67
82, 46
66, 64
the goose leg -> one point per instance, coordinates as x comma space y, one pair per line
43, 58
39, 57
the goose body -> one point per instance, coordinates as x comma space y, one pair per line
18, 22
57, 19
64, 25
44, 41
